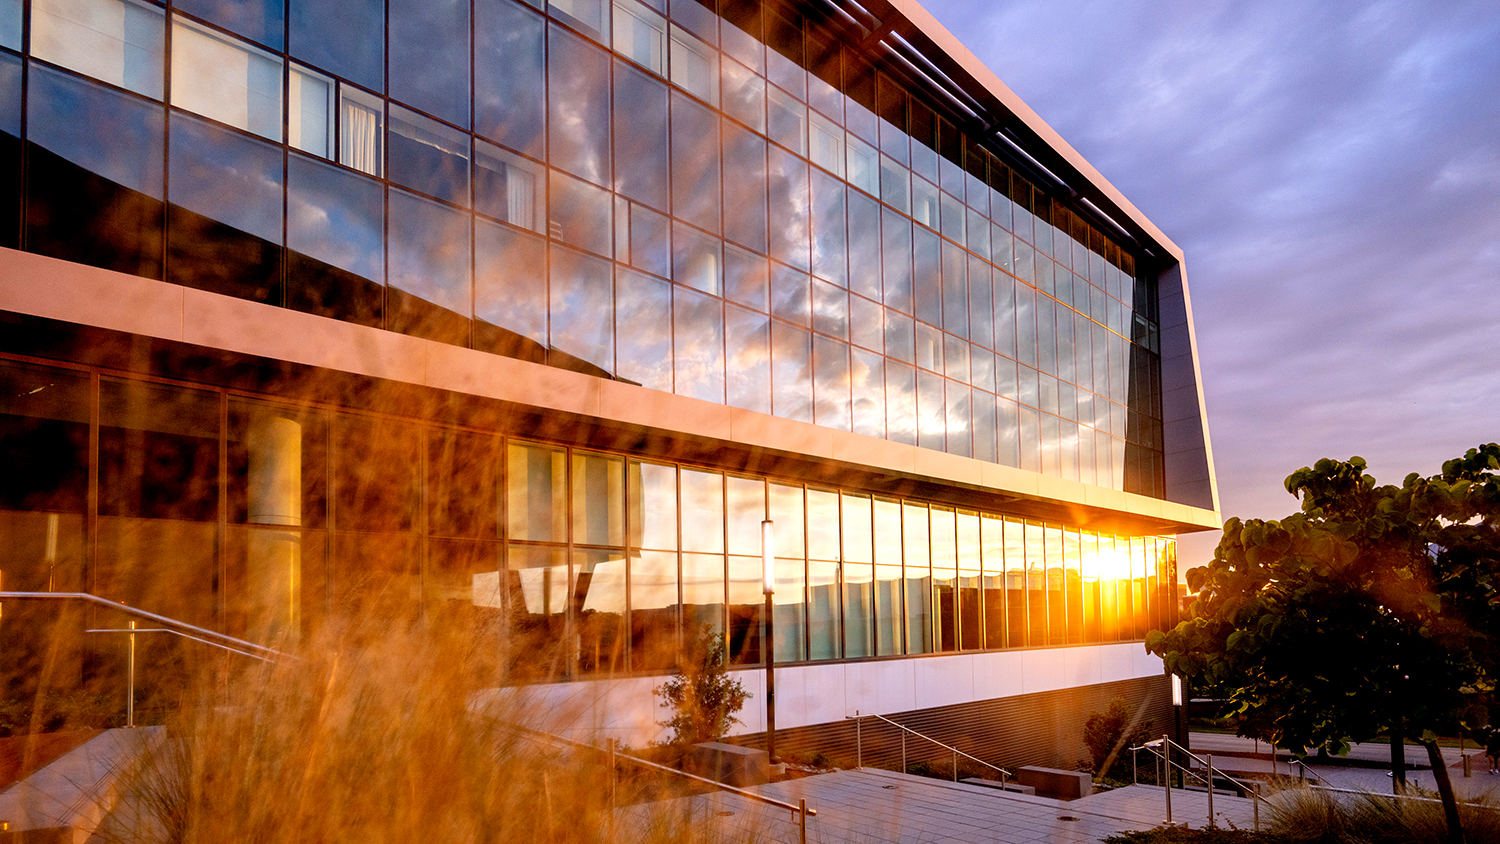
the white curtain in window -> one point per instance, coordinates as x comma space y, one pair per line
520, 197
359, 137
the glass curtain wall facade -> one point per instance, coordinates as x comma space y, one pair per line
256, 517
728, 202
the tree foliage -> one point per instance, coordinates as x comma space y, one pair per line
1104, 734
702, 695
1374, 607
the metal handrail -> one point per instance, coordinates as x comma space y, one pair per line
171, 625
858, 719
801, 811
1164, 743
168, 625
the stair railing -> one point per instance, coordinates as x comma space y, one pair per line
1161, 749
165, 624
858, 719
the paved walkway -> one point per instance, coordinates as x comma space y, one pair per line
872, 806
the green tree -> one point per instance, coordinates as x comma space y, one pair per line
1106, 733
703, 697
1376, 609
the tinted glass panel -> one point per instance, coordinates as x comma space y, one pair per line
748, 343
258, 20
695, 163
641, 137
510, 292
430, 293
430, 56
642, 305
343, 37
335, 238
226, 79
698, 326
94, 175
224, 227
582, 313
429, 156
510, 81
117, 41
578, 101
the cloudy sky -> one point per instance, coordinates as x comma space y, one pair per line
1332, 172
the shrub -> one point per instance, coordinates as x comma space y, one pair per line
1105, 734
701, 693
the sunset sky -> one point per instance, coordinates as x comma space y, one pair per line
1332, 173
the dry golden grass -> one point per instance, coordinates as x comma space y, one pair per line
1308, 816
369, 738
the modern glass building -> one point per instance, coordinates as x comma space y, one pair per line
531, 313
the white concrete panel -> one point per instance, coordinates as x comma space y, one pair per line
823, 693
791, 698
999, 674
1044, 670
753, 715
880, 687
943, 680
1081, 666
1117, 662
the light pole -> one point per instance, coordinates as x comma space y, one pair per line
768, 634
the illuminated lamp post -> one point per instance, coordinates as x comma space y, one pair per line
768, 628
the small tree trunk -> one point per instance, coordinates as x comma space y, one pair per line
1445, 790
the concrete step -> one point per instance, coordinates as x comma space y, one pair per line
68, 799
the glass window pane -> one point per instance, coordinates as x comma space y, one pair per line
901, 402
992, 548
790, 604
789, 209
509, 187
578, 99
787, 119
653, 503
429, 65
587, 15
822, 525
970, 632
640, 137
310, 112
830, 309
650, 240
864, 246
823, 609
598, 499
95, 175
344, 37
335, 241
430, 293
641, 35
1017, 605
537, 594
932, 411
746, 604
867, 379
745, 278
889, 610
747, 338
510, 81
429, 156
510, 292
115, 41
44, 445
695, 66
702, 593
787, 512
224, 231
653, 610
747, 509
599, 610
702, 511
226, 79
582, 313
831, 382
642, 304
895, 185
830, 241
698, 347
927, 276
744, 95
463, 484
944, 578
361, 131
897, 261
535, 480
580, 214
745, 194
10, 24
695, 163
918, 576
791, 372
697, 260
258, 20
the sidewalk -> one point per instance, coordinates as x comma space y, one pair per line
1363, 755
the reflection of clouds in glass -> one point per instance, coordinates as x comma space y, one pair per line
582, 307
698, 358
830, 245
578, 106
789, 208
510, 280
429, 252
226, 177
335, 216
901, 402
748, 347
791, 372
695, 163
702, 511
642, 305
867, 376
831, 382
